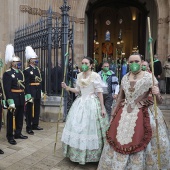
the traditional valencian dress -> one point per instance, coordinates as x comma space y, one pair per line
85, 129
131, 138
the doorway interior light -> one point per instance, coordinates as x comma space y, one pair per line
134, 12
134, 17
118, 42
97, 42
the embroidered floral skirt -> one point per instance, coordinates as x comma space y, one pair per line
85, 131
143, 160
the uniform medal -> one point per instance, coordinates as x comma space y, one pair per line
13, 76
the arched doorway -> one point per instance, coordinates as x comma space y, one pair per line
118, 27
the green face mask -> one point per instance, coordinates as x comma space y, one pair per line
84, 68
134, 67
144, 68
105, 69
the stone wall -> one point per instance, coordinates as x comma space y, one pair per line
11, 18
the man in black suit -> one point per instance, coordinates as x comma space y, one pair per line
13, 82
157, 67
33, 91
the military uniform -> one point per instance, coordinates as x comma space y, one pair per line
13, 80
33, 90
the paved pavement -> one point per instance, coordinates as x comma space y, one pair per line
37, 152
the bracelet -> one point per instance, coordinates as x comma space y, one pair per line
67, 88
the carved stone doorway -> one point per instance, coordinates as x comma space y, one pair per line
126, 23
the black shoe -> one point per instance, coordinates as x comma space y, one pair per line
37, 128
20, 137
30, 132
1, 151
12, 141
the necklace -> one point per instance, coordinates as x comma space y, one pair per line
135, 75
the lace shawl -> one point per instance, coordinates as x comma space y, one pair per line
92, 78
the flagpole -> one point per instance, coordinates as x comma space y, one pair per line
94, 61
116, 64
155, 103
61, 97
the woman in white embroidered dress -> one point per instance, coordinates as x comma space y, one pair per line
85, 129
131, 138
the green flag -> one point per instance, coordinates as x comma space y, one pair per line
149, 41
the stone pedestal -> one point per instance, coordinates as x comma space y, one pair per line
50, 108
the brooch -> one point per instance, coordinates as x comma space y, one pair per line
31, 72
13, 76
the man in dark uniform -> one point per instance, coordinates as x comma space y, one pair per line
33, 91
13, 80
157, 67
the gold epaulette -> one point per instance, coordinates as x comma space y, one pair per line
8, 70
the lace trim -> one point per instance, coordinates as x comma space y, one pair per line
84, 82
80, 141
140, 87
130, 149
127, 123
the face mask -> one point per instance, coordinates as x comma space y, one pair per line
36, 62
84, 68
134, 67
124, 61
144, 68
18, 65
105, 69
168, 59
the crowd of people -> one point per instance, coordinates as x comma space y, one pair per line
115, 123
112, 119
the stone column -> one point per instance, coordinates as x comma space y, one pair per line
163, 34
169, 34
79, 42
163, 29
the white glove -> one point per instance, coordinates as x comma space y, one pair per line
30, 101
42, 94
12, 106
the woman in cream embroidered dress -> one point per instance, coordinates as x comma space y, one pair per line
85, 129
131, 138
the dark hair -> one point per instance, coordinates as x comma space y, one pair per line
88, 58
135, 53
104, 62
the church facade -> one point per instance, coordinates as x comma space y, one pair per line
103, 28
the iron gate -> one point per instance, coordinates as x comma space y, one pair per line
48, 37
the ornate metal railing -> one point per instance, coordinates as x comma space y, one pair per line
48, 37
